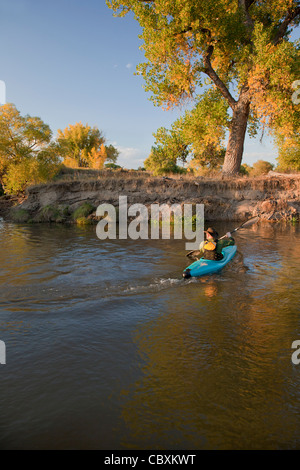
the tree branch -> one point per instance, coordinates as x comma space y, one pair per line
245, 5
216, 79
292, 14
208, 69
249, 3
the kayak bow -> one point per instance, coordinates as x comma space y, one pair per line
205, 266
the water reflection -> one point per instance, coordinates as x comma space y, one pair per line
110, 347
217, 374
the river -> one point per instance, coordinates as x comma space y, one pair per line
107, 347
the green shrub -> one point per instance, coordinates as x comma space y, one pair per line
20, 216
29, 171
83, 211
245, 169
261, 167
112, 166
50, 213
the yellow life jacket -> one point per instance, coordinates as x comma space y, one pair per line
210, 245
210, 250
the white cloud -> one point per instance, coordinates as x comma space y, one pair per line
128, 152
130, 157
128, 66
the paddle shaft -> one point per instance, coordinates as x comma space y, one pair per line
248, 222
232, 231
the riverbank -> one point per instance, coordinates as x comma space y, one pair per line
7, 204
272, 197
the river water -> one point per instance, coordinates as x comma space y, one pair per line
107, 347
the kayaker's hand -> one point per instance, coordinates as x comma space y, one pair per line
228, 234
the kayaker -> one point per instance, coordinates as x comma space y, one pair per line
211, 248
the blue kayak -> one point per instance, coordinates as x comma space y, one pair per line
205, 266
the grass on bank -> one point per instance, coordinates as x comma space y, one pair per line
81, 214
55, 214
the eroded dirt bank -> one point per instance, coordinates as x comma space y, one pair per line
273, 197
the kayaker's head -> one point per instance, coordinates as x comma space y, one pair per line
211, 233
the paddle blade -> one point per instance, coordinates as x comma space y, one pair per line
193, 253
250, 222
246, 224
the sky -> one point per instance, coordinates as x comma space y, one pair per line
70, 61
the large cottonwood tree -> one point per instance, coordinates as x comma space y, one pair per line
241, 48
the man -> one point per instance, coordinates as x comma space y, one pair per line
211, 248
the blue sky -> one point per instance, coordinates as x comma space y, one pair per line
70, 60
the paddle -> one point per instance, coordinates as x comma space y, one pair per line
246, 224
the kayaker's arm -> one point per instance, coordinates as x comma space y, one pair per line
228, 241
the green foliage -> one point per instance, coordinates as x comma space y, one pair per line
112, 153
52, 213
199, 134
159, 164
29, 171
20, 136
245, 169
289, 160
27, 155
261, 167
178, 35
203, 129
289, 151
294, 220
169, 148
49, 214
83, 211
241, 48
20, 216
112, 166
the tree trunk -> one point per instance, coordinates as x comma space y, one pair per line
235, 147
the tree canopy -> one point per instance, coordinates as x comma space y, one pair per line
80, 143
167, 151
27, 154
84, 146
239, 49
30, 155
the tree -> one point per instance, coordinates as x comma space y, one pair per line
27, 154
245, 169
80, 143
288, 150
20, 136
289, 157
83, 146
261, 167
112, 153
32, 170
97, 158
239, 48
168, 149
112, 166
197, 135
